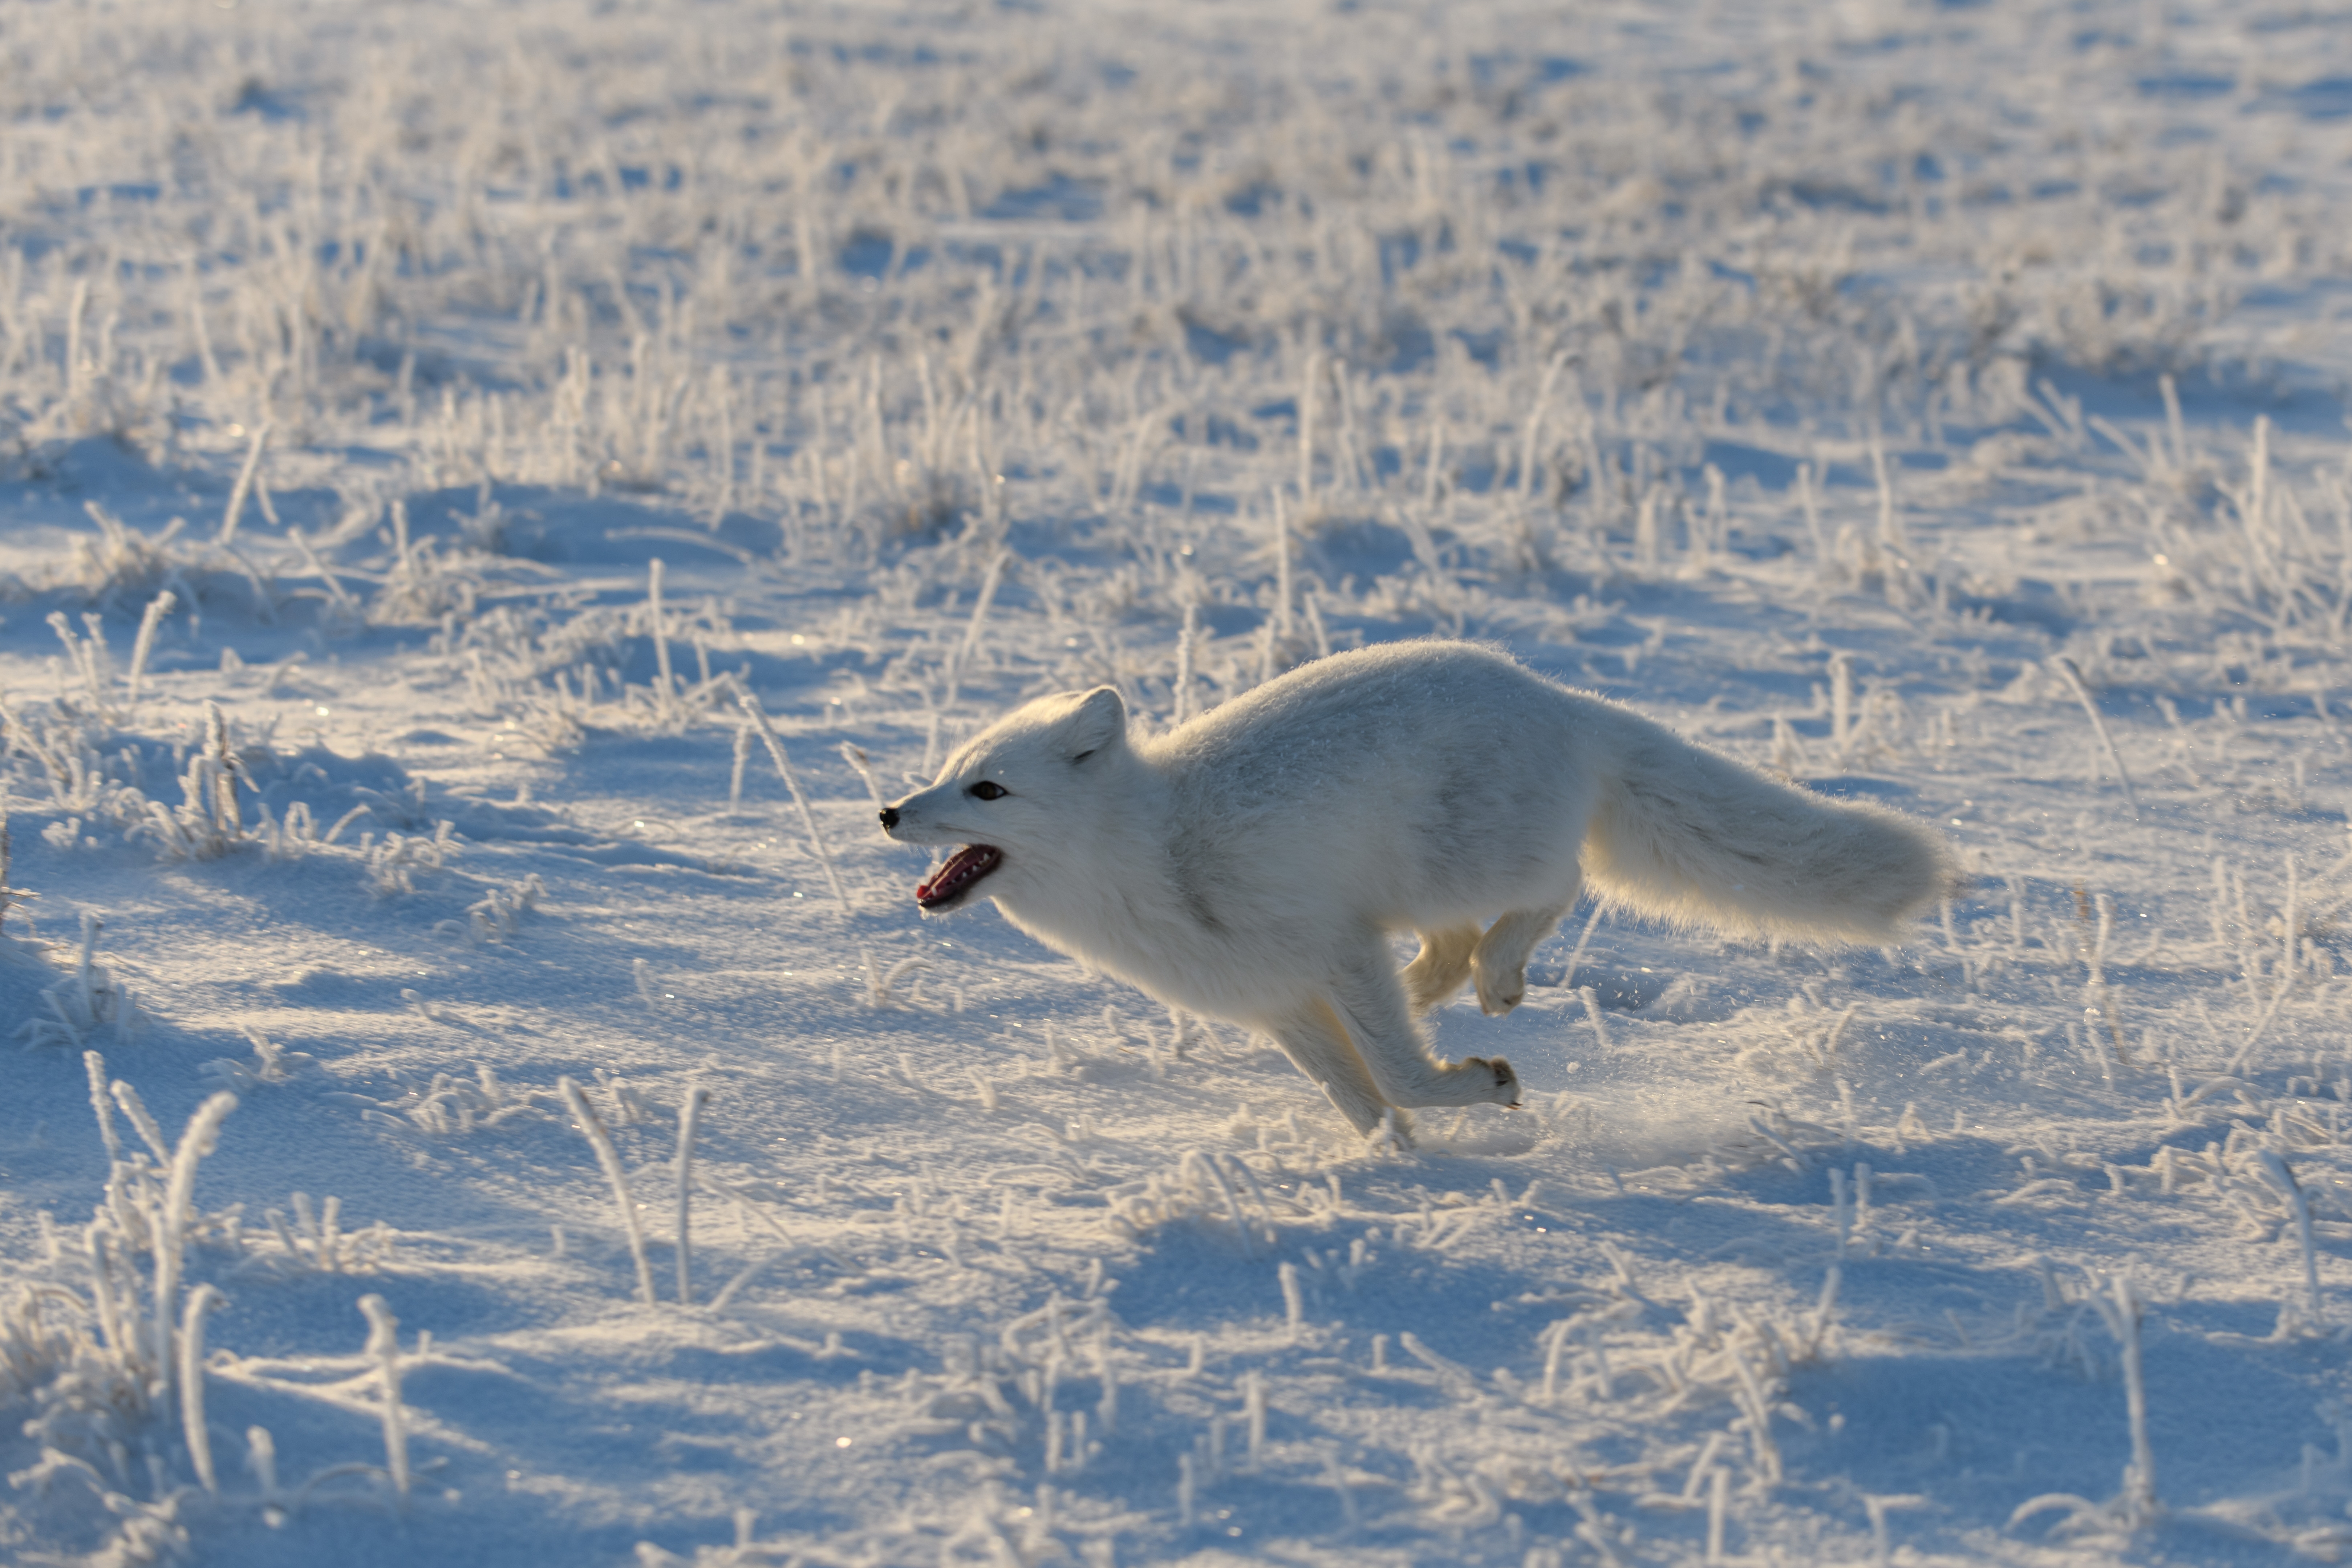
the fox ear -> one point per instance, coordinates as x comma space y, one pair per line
1098, 721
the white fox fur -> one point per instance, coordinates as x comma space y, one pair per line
1251, 864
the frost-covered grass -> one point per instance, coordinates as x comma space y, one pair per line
490, 499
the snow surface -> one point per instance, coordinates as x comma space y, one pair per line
1799, 373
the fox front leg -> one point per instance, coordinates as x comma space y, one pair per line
1317, 1044
1369, 999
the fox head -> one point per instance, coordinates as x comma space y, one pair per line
1012, 796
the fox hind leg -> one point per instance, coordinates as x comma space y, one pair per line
1438, 970
1500, 962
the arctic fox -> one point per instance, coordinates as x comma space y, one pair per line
1252, 865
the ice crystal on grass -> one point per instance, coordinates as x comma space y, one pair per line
424, 586
66, 749
102, 1380
592, 1128
497, 914
394, 862
112, 1370
450, 1106
123, 564
86, 1004
14, 952
209, 822
270, 1064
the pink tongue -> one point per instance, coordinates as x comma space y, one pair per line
970, 861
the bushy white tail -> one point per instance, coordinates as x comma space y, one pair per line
1686, 835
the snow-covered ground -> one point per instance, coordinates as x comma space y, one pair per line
419, 423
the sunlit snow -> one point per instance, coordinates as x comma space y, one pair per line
493, 496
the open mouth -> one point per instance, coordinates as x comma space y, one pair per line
954, 880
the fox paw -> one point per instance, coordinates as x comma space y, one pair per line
1506, 1081
1498, 995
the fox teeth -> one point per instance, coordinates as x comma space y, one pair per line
965, 866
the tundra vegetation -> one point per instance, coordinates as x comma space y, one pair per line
491, 498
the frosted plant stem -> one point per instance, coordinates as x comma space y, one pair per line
1281, 570
113, 1333
930, 743
2101, 999
1265, 1206
2074, 679
1185, 640
1106, 1407
2294, 920
1890, 522
1837, 1032
659, 626
1429, 475
75, 362
171, 1235
157, 608
1881, 1543
1196, 1160
82, 657
1841, 703
243, 486
2141, 1488
852, 754
1718, 1508
135, 1109
969, 648
2283, 1177
261, 1458
689, 1114
2256, 511
1536, 423
750, 706
1335, 1477
1315, 627
1568, 980
593, 1127
341, 597
1809, 502
2172, 423
384, 1345
2255, 1037
1554, 1341
1593, 1011
1307, 389
742, 758
102, 1106
1759, 1416
1646, 535
192, 1384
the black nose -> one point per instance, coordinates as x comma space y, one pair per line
890, 816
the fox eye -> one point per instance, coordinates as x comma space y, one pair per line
988, 789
